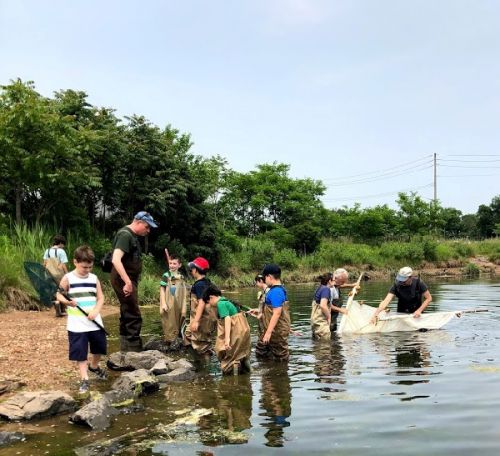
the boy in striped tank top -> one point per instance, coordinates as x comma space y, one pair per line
84, 289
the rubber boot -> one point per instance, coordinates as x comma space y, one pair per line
127, 345
123, 344
57, 306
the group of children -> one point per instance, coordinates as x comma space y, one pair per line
211, 315
210, 312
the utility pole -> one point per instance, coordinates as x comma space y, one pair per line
435, 178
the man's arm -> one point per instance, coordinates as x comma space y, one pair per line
382, 306
118, 265
427, 300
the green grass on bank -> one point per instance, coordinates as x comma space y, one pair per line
238, 268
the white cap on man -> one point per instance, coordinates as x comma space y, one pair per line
404, 274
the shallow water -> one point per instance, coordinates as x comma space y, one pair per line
435, 392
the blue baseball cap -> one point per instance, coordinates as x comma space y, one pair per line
144, 216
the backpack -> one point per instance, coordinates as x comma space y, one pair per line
53, 265
106, 263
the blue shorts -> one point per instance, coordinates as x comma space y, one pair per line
79, 344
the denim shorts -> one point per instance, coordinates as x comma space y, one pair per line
79, 343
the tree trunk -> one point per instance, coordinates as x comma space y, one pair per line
19, 198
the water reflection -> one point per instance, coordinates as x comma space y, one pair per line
329, 365
234, 402
276, 399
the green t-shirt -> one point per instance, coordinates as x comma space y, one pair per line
127, 242
226, 308
174, 276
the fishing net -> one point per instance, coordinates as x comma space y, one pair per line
42, 282
358, 320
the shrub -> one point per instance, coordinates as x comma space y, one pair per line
286, 258
471, 270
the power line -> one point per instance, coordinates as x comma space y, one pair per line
427, 157
469, 167
472, 155
468, 161
388, 175
470, 175
379, 194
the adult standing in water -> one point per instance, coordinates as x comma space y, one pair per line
321, 308
409, 290
340, 277
125, 274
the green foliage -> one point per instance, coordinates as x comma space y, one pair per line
471, 270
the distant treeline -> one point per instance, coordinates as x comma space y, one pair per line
79, 168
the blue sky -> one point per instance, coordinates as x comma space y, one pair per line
359, 94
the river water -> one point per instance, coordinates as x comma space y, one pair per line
411, 393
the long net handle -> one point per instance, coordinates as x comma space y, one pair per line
353, 292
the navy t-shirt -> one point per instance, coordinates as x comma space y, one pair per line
322, 292
410, 296
199, 287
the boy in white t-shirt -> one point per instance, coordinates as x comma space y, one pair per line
84, 289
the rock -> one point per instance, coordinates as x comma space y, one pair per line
164, 347
96, 415
184, 363
180, 374
139, 381
8, 385
128, 361
159, 368
30, 405
6, 438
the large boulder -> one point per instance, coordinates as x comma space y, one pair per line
184, 363
140, 381
128, 361
96, 414
159, 368
181, 374
30, 405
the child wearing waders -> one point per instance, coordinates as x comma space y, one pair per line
172, 300
85, 290
201, 327
275, 317
261, 297
232, 344
322, 308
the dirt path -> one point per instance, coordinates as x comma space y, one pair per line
34, 349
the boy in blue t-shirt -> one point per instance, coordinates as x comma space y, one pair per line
273, 341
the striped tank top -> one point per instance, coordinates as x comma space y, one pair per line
83, 290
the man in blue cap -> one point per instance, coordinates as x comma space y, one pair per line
125, 273
409, 290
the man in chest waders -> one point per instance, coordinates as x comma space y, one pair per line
409, 291
125, 274
199, 333
273, 342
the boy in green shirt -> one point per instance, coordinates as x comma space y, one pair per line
232, 345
